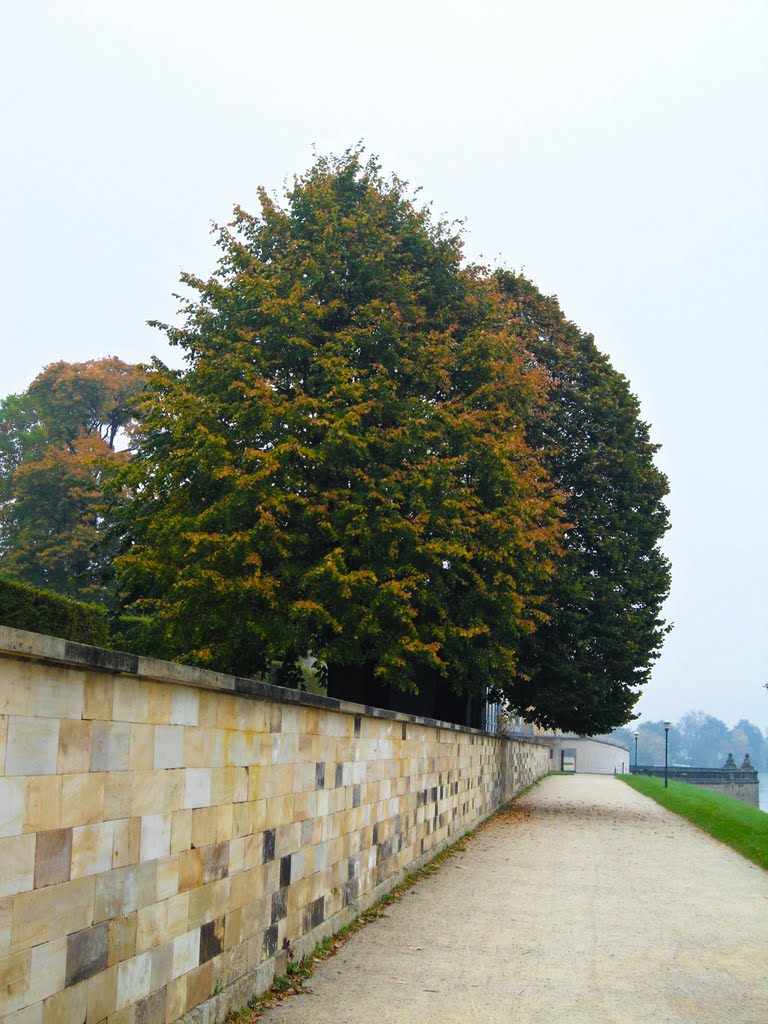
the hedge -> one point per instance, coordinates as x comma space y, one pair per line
40, 611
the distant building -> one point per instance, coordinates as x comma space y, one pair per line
568, 753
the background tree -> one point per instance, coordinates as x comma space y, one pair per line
698, 740
342, 470
582, 670
746, 738
705, 740
57, 448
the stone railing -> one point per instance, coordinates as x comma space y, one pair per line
740, 784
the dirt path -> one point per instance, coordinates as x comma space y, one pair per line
584, 902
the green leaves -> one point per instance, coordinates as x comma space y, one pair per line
347, 450
57, 448
583, 668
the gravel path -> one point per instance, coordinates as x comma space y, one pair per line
585, 903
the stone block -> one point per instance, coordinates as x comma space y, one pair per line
42, 802
141, 753
118, 795
59, 694
176, 998
259, 815
208, 902
224, 822
74, 747
268, 842
11, 807
47, 969
15, 971
17, 864
175, 789
16, 692
159, 703
240, 787
207, 703
110, 746
161, 922
29, 1015
242, 819
232, 930
181, 830
186, 952
33, 746
151, 1009
143, 886
162, 966
125, 849
275, 718
211, 939
130, 702
148, 793
73, 906
92, 848
133, 977
67, 1006
167, 877
185, 705
122, 938
236, 855
86, 953
155, 836
198, 787
6, 921
199, 985
190, 869
245, 888
82, 799
222, 785
110, 897
32, 919
169, 746
101, 995
203, 826
97, 697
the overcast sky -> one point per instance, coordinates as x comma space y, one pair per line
616, 152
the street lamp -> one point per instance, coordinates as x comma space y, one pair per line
666, 754
637, 737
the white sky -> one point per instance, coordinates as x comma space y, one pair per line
616, 152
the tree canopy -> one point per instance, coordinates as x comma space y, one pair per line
343, 469
57, 446
582, 670
415, 471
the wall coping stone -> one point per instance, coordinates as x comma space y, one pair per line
54, 650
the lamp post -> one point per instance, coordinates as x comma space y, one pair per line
666, 754
637, 737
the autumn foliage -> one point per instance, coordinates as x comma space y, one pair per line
413, 471
57, 449
343, 468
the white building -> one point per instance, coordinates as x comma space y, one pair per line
585, 754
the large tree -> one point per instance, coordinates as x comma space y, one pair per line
582, 670
57, 448
342, 470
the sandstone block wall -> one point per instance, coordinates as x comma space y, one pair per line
169, 835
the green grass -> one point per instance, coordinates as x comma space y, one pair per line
738, 825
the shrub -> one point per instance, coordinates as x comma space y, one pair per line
40, 611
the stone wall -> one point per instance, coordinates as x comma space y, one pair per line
166, 833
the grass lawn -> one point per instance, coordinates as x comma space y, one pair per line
734, 823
